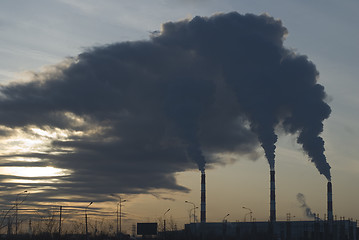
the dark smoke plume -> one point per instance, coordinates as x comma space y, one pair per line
185, 102
200, 91
272, 84
307, 211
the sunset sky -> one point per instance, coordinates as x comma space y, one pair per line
78, 125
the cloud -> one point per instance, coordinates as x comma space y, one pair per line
132, 114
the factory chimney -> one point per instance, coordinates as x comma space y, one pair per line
272, 196
330, 202
203, 196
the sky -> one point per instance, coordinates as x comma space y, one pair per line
92, 106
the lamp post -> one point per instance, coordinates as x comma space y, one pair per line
119, 204
194, 210
86, 220
190, 213
164, 223
17, 209
224, 219
250, 214
224, 226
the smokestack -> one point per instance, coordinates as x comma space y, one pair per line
272, 196
203, 196
330, 202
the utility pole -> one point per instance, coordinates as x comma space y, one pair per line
121, 216
60, 222
87, 237
86, 226
16, 210
117, 221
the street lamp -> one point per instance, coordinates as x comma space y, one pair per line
16, 208
164, 223
224, 226
119, 204
194, 210
86, 220
224, 219
190, 213
250, 214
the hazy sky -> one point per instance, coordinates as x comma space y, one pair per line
84, 155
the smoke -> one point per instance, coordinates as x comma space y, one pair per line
307, 211
186, 100
200, 91
272, 84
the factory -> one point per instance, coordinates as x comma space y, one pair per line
283, 230
328, 229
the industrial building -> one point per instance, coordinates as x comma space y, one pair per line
329, 229
283, 230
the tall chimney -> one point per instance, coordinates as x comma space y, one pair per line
203, 196
330, 202
272, 196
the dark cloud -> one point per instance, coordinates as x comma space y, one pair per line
136, 113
